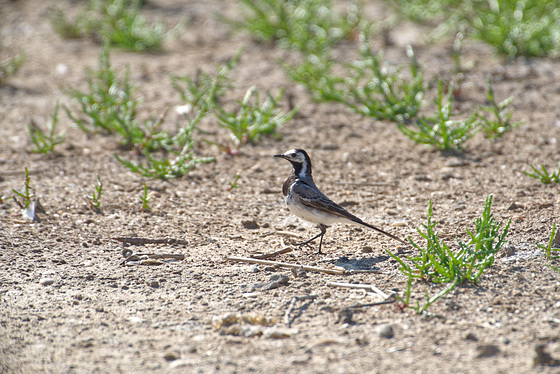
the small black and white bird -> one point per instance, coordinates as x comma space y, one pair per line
306, 201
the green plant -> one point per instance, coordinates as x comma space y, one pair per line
27, 195
145, 199
203, 92
95, 198
164, 168
315, 73
548, 248
234, 184
45, 143
117, 21
513, 27
384, 95
543, 175
109, 106
439, 263
516, 27
367, 86
310, 26
253, 119
502, 124
440, 131
424, 11
10, 66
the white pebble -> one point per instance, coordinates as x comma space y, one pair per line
46, 281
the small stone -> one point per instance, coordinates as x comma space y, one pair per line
171, 356
471, 336
385, 331
455, 162
46, 281
251, 225
367, 249
422, 178
153, 283
516, 205
487, 350
279, 333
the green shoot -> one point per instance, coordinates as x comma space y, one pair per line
164, 168
315, 73
516, 28
95, 198
502, 123
109, 106
117, 21
440, 131
10, 66
439, 263
145, 199
367, 87
384, 95
45, 143
544, 175
310, 26
203, 92
513, 28
457, 55
234, 184
555, 268
253, 119
27, 195
548, 248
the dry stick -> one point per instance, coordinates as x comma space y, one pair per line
367, 287
152, 256
141, 241
292, 305
286, 265
273, 254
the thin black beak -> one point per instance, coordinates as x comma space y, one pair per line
281, 156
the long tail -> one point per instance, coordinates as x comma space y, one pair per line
359, 221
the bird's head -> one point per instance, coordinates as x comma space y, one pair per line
299, 159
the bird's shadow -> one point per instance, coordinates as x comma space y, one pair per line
364, 263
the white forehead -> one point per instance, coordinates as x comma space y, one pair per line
295, 155
290, 152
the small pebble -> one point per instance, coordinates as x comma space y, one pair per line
153, 283
171, 356
486, 350
46, 281
251, 225
385, 331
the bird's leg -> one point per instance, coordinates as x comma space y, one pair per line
323, 229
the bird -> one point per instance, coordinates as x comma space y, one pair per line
306, 201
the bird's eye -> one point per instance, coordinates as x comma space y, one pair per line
293, 155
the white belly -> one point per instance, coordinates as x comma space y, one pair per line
312, 215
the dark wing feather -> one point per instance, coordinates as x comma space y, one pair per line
315, 199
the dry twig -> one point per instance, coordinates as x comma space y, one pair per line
286, 265
264, 256
142, 241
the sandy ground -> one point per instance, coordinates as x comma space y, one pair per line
102, 316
